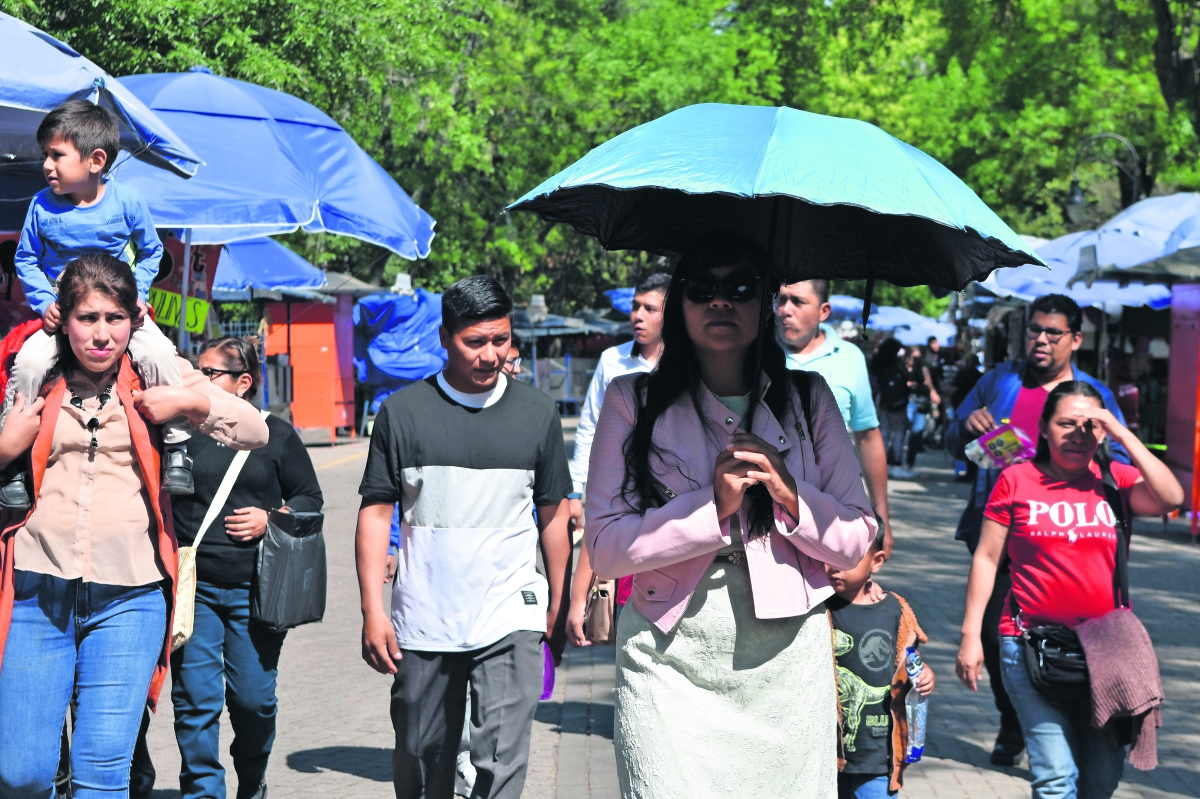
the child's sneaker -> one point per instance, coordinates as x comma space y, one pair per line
14, 490
177, 471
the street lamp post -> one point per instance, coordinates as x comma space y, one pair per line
1076, 201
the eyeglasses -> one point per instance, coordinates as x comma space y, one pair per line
738, 287
210, 372
513, 363
1053, 334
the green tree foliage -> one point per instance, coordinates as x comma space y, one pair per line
470, 103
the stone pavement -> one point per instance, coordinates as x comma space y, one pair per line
335, 737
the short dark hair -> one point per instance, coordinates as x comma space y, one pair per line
656, 281
1059, 304
87, 126
932, 340
819, 287
474, 299
877, 541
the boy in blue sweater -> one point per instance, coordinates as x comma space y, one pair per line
83, 212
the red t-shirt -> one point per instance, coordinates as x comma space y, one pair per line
1027, 410
1062, 543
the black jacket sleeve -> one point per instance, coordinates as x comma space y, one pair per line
297, 478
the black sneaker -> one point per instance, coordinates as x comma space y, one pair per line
14, 487
177, 471
258, 792
1008, 748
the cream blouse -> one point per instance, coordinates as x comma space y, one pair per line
92, 518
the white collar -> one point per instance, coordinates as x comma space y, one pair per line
828, 346
484, 399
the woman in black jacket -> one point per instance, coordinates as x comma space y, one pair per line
229, 655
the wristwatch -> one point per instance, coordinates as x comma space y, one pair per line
574, 495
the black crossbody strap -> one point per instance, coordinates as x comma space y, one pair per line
1121, 575
803, 383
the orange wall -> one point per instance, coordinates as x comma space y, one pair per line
322, 365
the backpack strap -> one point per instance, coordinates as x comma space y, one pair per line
803, 383
1115, 501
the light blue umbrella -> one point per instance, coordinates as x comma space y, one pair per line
274, 163
830, 197
261, 265
41, 73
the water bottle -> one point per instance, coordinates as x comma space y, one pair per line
916, 708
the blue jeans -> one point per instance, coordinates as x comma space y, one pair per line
229, 659
863, 786
98, 643
1068, 757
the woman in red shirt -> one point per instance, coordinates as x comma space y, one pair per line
1050, 517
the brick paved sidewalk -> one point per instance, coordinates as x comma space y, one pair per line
335, 737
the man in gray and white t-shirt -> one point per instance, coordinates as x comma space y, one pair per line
469, 454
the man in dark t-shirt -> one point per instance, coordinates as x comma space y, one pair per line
469, 454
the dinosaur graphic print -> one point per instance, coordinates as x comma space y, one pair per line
864, 644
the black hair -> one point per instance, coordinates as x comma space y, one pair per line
1059, 304
678, 373
239, 355
86, 125
820, 288
1068, 388
474, 299
932, 340
656, 281
885, 356
877, 541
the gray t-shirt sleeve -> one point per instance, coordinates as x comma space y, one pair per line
552, 478
381, 477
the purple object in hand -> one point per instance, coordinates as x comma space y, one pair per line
548, 672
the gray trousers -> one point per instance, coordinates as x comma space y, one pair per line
429, 702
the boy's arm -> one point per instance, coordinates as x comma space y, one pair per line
379, 647
28, 260
147, 246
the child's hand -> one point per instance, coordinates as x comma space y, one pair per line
143, 312
52, 318
22, 426
925, 681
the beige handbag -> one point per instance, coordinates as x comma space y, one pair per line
185, 579
599, 612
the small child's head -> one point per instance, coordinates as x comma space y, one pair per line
849, 583
81, 142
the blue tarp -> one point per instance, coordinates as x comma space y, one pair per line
622, 299
396, 341
261, 264
909, 327
40, 74
274, 163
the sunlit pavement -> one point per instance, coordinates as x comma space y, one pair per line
335, 736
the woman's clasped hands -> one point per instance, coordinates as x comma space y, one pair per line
746, 461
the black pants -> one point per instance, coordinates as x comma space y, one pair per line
990, 638
429, 699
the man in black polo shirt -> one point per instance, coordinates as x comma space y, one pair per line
469, 454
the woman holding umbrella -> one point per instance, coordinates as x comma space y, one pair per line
725, 515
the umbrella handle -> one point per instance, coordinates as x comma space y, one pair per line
866, 314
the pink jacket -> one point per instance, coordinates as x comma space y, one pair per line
668, 549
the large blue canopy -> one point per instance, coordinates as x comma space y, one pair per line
909, 327
396, 341
274, 163
41, 73
262, 264
845, 199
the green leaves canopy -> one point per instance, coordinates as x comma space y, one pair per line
469, 103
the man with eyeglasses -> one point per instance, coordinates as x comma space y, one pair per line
1016, 392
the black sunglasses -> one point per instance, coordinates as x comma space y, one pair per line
737, 287
210, 372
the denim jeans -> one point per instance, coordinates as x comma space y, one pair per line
98, 643
229, 659
863, 786
894, 427
1068, 757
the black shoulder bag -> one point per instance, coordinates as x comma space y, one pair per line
1054, 657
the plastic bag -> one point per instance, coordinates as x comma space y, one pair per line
1001, 447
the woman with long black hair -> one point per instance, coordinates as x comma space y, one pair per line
1051, 517
725, 678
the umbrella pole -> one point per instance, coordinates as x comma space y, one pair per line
866, 314
764, 309
186, 276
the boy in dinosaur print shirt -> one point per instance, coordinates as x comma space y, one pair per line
870, 635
